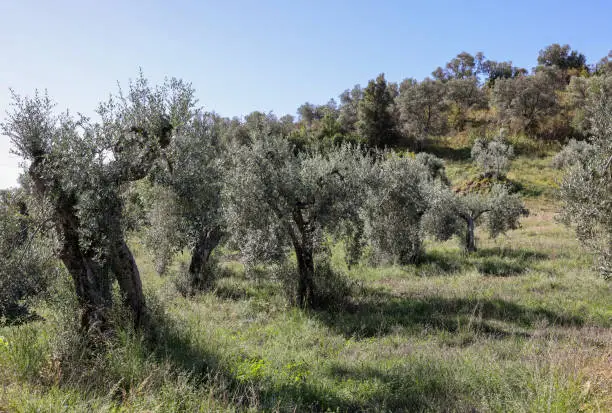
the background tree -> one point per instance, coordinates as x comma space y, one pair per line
348, 115
524, 102
376, 123
277, 197
421, 107
396, 201
562, 57
461, 96
586, 190
493, 70
27, 263
459, 214
189, 198
79, 167
604, 66
463, 66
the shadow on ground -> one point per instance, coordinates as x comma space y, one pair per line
448, 153
417, 385
489, 261
377, 313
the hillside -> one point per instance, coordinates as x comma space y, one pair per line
523, 324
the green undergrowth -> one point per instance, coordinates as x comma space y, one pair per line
522, 325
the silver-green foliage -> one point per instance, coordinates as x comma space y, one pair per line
185, 203
27, 262
163, 232
396, 201
575, 152
458, 214
273, 193
494, 156
586, 190
276, 197
79, 167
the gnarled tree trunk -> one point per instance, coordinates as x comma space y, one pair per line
304, 251
126, 272
205, 245
92, 285
306, 294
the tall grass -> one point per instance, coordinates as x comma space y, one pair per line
522, 325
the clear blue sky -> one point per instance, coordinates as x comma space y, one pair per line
268, 55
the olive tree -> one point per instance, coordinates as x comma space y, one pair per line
397, 199
586, 190
494, 156
451, 214
186, 209
79, 167
524, 102
276, 197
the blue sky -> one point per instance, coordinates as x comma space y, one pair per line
268, 55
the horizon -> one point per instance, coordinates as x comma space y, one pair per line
267, 56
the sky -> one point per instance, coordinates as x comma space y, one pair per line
267, 55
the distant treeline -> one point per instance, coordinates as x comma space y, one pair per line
470, 94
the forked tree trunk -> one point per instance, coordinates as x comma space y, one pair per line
200, 255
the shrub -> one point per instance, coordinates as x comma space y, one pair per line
26, 264
493, 157
575, 152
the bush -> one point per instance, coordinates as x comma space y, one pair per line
493, 157
575, 152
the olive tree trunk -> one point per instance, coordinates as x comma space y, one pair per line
92, 285
198, 271
304, 251
126, 272
470, 240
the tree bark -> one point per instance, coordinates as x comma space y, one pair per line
304, 251
470, 241
306, 297
126, 272
92, 285
205, 245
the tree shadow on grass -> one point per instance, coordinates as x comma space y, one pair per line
416, 385
488, 261
210, 370
448, 153
378, 313
18, 314
416, 389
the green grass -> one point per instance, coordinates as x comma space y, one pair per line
522, 325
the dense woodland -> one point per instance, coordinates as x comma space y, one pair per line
365, 178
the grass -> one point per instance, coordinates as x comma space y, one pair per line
522, 325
